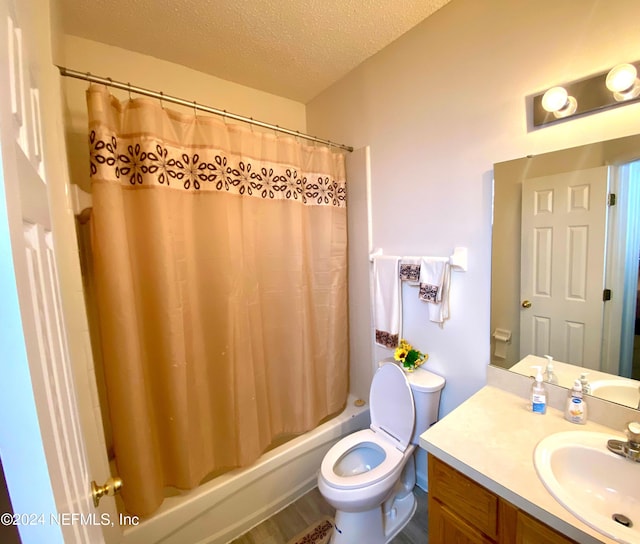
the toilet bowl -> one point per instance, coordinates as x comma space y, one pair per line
368, 476
376, 467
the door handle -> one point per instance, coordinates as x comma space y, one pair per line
526, 304
111, 487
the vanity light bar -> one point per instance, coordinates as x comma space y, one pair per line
616, 87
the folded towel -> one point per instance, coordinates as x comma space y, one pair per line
410, 270
387, 301
435, 276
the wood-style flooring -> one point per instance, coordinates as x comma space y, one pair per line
311, 507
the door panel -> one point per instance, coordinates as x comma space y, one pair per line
43, 448
562, 265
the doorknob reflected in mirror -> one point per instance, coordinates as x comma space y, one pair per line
111, 487
526, 304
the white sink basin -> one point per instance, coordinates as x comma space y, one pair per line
620, 391
591, 482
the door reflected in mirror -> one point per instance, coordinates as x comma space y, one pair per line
564, 261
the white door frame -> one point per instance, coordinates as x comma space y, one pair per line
28, 442
621, 275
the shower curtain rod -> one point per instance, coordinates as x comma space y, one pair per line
193, 104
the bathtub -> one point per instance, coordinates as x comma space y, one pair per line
229, 505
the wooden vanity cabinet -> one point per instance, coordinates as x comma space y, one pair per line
462, 511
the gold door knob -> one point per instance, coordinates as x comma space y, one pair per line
526, 304
111, 487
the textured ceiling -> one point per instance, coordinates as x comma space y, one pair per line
291, 48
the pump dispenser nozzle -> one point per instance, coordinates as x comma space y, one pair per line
586, 388
550, 375
538, 376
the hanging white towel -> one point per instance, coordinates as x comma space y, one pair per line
387, 301
431, 279
439, 312
435, 276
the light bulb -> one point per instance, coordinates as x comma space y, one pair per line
554, 99
557, 101
623, 82
621, 78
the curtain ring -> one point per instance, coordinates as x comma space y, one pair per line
251, 124
224, 117
195, 108
129, 89
161, 97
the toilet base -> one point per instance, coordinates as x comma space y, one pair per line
404, 510
372, 526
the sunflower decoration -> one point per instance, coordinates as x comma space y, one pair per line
410, 357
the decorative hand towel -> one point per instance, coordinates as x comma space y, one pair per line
431, 278
435, 277
439, 312
410, 270
387, 301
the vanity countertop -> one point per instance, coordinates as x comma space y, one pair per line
491, 438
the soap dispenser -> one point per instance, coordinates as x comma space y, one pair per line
586, 388
550, 376
538, 394
576, 411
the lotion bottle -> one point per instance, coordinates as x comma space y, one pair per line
550, 376
538, 394
576, 411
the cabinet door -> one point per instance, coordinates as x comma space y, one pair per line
468, 499
445, 527
531, 531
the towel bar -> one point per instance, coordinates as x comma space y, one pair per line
458, 259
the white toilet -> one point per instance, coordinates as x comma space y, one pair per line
368, 476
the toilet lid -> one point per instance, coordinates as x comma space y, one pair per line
391, 405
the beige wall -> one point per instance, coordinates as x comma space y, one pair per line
438, 108
172, 79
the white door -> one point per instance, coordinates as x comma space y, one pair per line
562, 265
41, 440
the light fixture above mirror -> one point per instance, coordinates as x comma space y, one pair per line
618, 86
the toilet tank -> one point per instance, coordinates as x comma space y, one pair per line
426, 388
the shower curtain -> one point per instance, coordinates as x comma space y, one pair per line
220, 269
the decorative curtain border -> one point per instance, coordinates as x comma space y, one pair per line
155, 163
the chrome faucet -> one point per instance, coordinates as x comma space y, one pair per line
631, 448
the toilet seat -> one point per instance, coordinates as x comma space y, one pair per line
392, 420
392, 459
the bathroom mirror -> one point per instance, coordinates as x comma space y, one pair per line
541, 175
